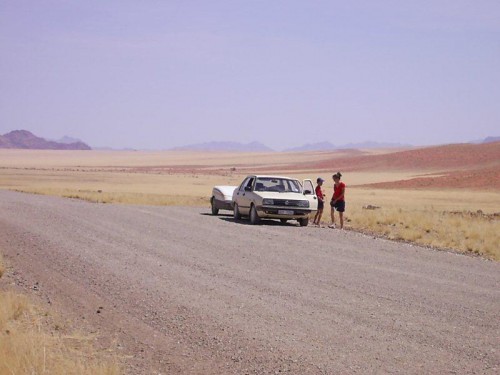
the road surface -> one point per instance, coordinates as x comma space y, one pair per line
184, 292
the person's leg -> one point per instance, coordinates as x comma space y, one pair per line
333, 217
341, 209
320, 212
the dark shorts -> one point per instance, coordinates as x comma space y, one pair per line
339, 206
321, 205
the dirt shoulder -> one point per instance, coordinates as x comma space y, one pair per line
184, 292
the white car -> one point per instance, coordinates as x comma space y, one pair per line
274, 197
222, 198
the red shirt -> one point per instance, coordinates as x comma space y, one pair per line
338, 190
319, 193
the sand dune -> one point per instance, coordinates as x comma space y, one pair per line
448, 157
483, 178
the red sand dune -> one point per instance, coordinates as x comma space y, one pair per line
485, 179
448, 157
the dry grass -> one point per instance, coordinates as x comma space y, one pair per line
458, 231
29, 346
433, 218
146, 188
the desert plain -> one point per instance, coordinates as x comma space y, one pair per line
133, 257
446, 197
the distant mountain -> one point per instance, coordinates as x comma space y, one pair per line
113, 149
226, 146
26, 140
320, 146
67, 140
328, 146
491, 140
485, 140
371, 144
4, 142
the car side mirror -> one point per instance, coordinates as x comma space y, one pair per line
248, 188
307, 192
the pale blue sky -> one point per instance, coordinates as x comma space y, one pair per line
159, 74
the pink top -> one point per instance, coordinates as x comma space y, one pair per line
338, 191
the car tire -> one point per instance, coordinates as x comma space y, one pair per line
236, 212
254, 218
284, 221
304, 222
215, 210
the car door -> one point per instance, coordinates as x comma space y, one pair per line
244, 195
310, 194
237, 194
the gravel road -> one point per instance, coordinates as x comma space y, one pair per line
184, 292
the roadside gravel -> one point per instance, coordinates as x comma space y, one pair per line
179, 291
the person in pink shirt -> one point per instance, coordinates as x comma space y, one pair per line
321, 201
338, 201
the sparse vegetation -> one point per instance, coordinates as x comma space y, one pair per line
479, 235
31, 343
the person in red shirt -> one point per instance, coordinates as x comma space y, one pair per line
321, 201
338, 201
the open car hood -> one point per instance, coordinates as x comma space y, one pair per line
226, 190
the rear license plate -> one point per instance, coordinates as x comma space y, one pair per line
285, 212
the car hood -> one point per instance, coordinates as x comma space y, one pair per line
274, 195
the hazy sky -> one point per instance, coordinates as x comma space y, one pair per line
158, 74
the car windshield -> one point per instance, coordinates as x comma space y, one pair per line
280, 185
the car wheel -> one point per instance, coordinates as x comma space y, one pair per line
236, 212
284, 221
254, 218
304, 222
215, 210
